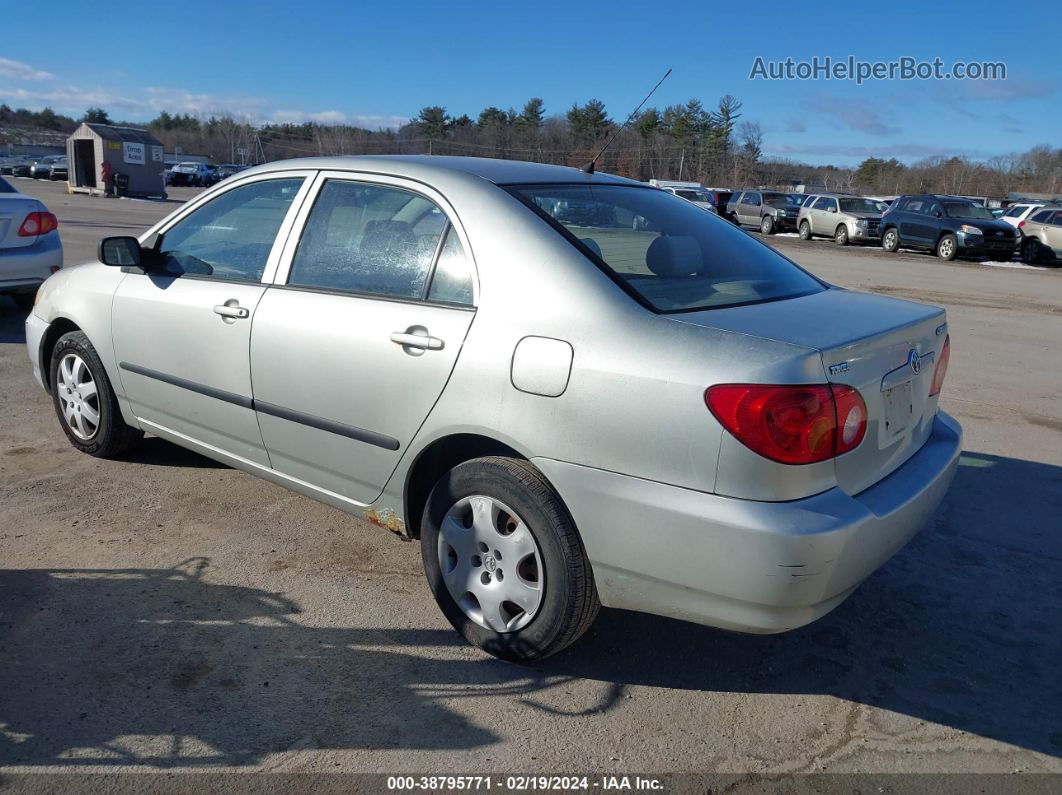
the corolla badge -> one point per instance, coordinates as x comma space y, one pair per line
915, 361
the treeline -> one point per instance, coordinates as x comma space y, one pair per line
712, 145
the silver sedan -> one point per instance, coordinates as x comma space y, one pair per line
575, 390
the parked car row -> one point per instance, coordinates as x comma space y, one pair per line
199, 174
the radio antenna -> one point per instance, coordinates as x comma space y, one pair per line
589, 167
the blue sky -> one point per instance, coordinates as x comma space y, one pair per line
377, 64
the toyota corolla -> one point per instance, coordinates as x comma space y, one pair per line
635, 405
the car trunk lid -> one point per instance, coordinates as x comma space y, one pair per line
884, 347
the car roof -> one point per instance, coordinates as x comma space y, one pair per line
432, 167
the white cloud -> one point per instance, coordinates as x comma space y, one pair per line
338, 117
22, 71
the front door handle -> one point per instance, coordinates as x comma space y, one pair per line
232, 310
421, 341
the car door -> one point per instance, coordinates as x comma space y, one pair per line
182, 330
1052, 232
749, 212
912, 222
354, 344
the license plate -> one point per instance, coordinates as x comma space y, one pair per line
899, 409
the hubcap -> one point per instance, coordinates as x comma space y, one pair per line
491, 564
945, 248
78, 397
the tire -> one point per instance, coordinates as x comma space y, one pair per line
544, 551
805, 230
111, 436
767, 225
23, 301
1031, 253
890, 240
947, 247
734, 219
840, 236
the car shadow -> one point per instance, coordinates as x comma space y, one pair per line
165, 667
159, 452
961, 628
12, 322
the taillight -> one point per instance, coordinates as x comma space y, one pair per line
791, 424
38, 224
942, 367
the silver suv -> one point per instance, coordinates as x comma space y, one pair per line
847, 219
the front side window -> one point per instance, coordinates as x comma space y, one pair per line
230, 237
671, 255
366, 238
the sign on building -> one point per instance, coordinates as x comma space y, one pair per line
156, 154
133, 153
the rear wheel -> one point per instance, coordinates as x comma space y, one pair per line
1031, 251
890, 241
504, 560
805, 230
840, 237
947, 247
85, 402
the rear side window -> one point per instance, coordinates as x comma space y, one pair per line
230, 237
451, 282
365, 238
671, 255
1016, 210
751, 198
1041, 217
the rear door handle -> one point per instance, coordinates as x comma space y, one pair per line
235, 312
423, 341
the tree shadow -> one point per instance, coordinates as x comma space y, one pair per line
162, 667
961, 628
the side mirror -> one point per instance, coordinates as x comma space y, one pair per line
833, 209
120, 252
938, 214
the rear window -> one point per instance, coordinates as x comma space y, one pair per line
671, 255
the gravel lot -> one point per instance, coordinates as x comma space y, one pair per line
167, 612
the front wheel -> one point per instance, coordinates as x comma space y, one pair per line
767, 225
890, 241
947, 248
840, 237
85, 402
504, 560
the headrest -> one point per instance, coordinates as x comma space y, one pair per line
679, 255
591, 244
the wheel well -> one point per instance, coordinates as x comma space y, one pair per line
436, 460
56, 329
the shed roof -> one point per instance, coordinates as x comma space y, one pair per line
112, 133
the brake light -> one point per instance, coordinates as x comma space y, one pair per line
791, 424
941, 368
38, 224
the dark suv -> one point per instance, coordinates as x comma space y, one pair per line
769, 211
950, 226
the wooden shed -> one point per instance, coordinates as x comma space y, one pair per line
135, 153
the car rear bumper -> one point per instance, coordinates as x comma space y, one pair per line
23, 269
742, 565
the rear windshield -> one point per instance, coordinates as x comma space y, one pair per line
967, 210
670, 254
861, 206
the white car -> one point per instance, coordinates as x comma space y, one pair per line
1017, 213
190, 174
30, 250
